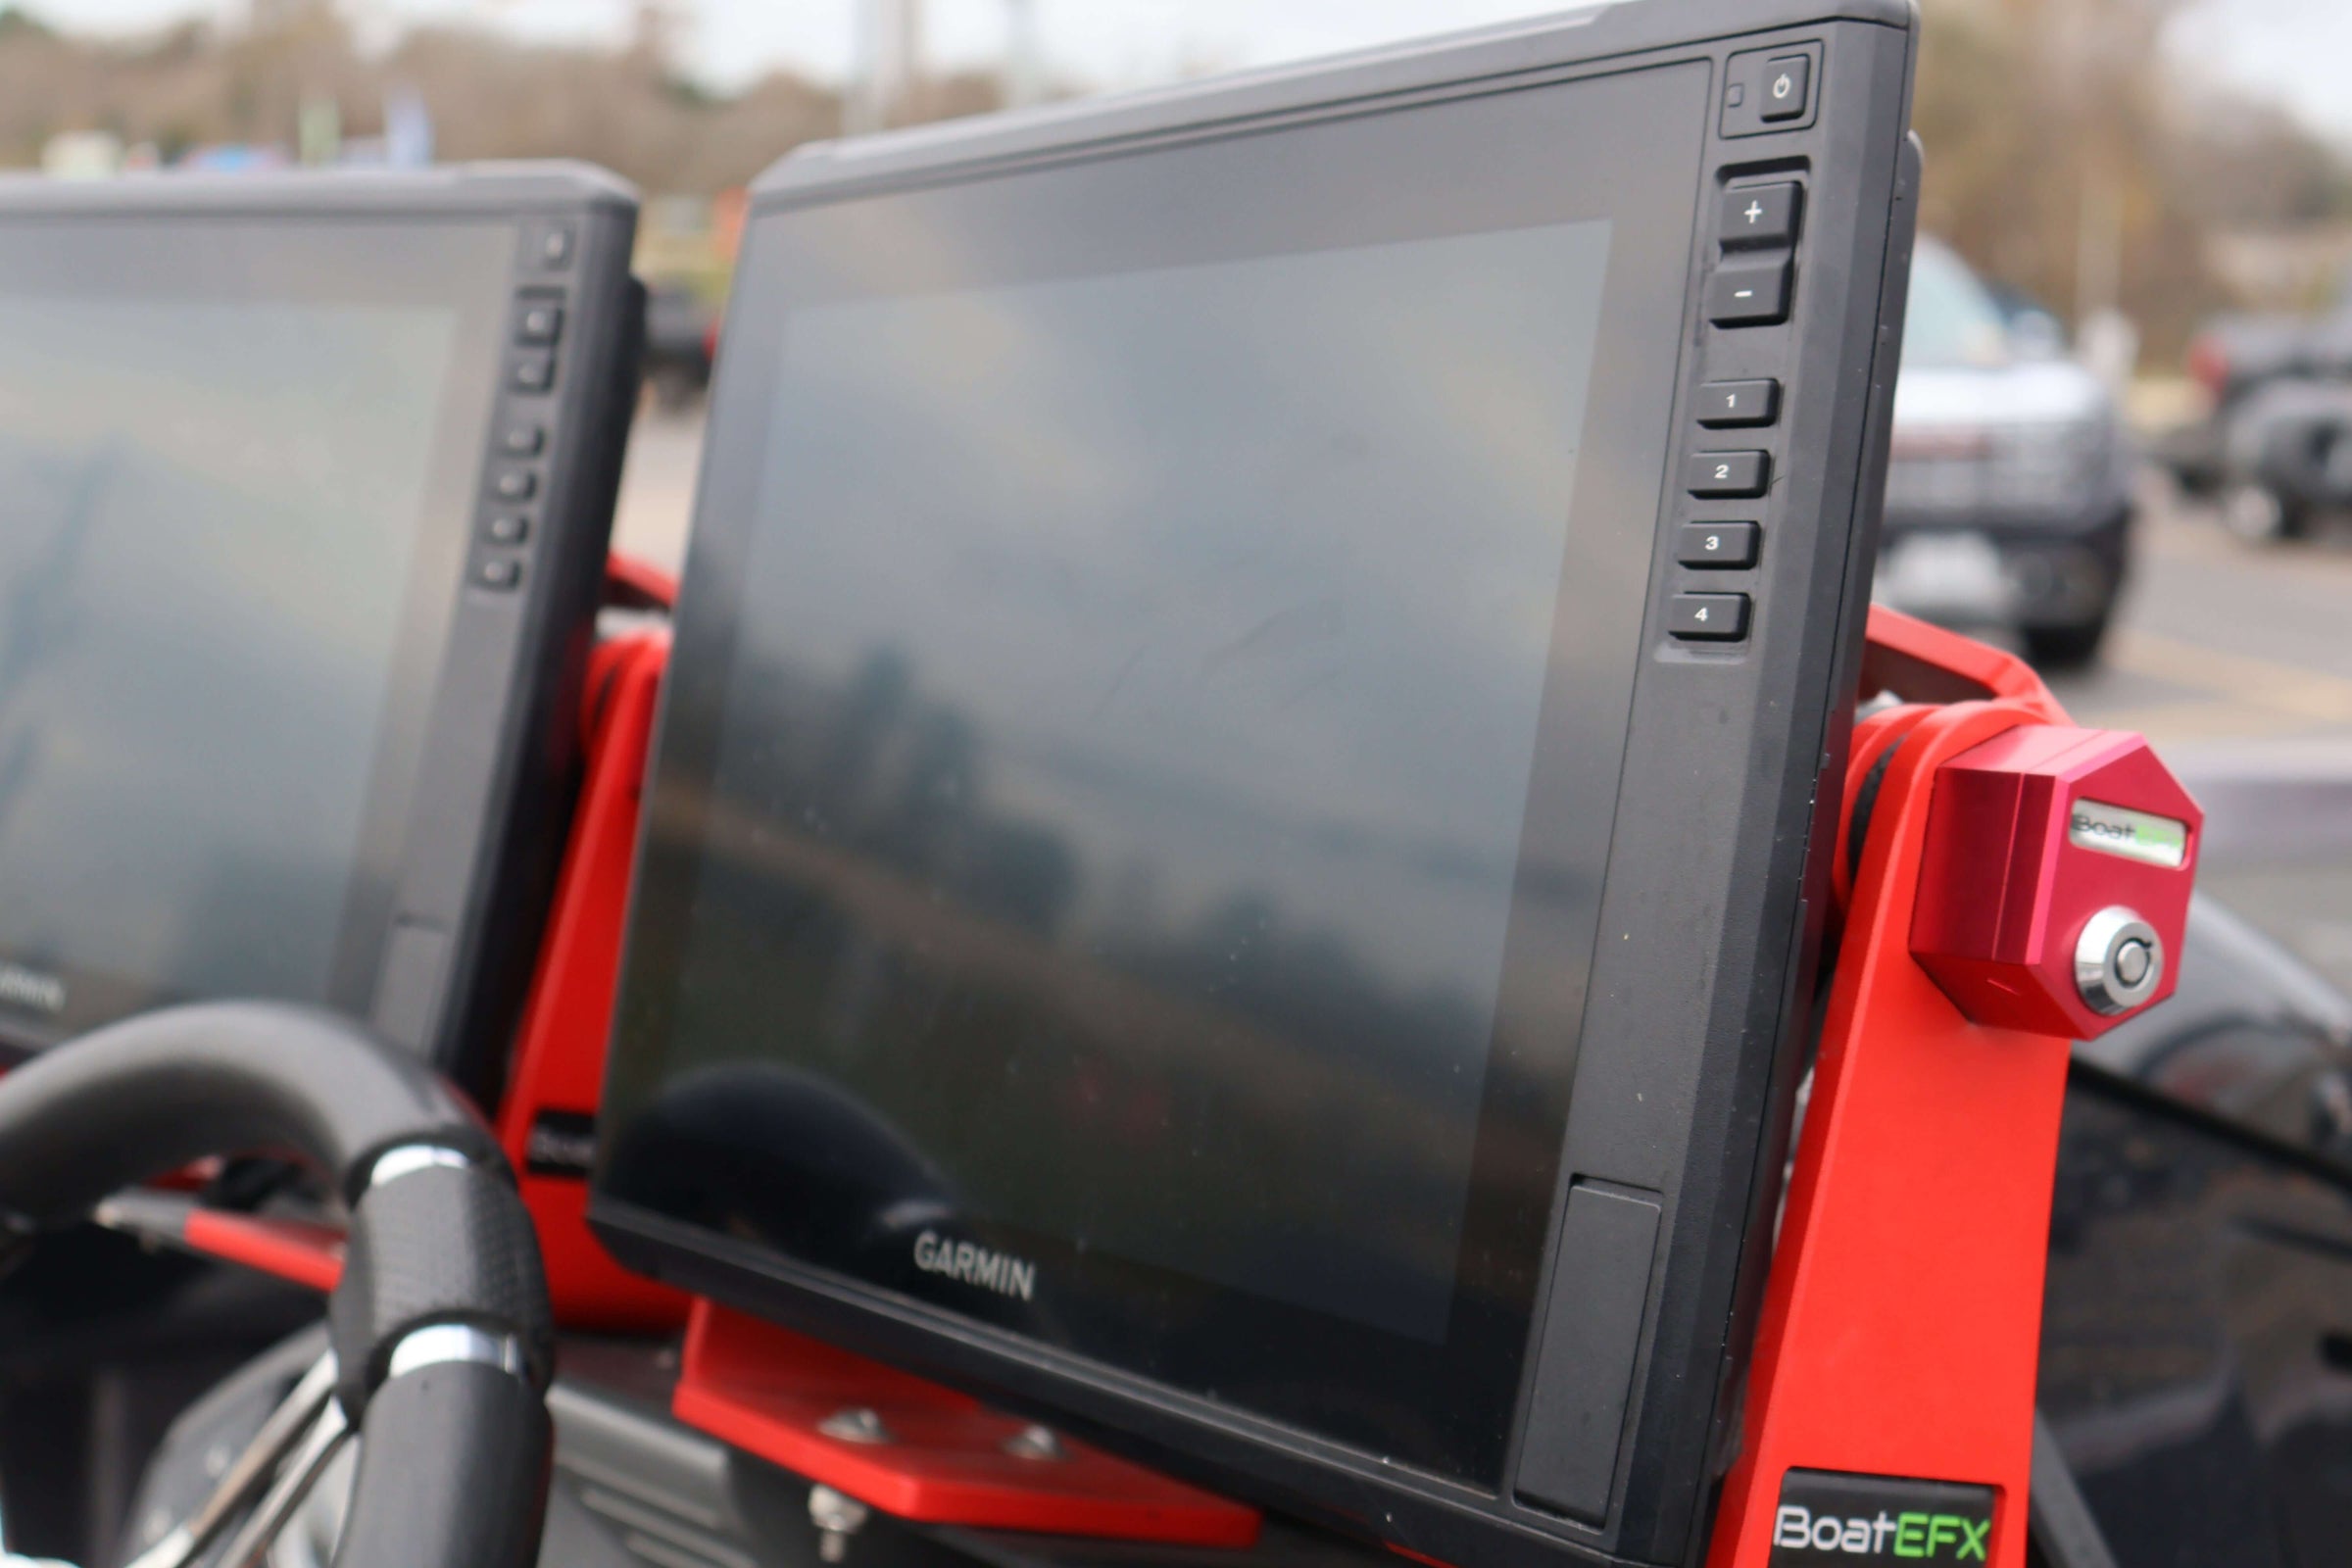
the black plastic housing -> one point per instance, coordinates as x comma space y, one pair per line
472, 864
1695, 1020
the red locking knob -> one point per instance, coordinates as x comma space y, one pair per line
2055, 879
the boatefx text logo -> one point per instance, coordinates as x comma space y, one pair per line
32, 990
1916, 1537
991, 1270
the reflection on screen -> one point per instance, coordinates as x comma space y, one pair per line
207, 512
1125, 758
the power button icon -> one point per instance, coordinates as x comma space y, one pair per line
1769, 90
1788, 87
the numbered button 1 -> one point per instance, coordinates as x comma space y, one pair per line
1717, 546
1728, 404
1707, 617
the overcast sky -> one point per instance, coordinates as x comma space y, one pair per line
2289, 51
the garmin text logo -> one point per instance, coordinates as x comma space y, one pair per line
31, 990
1924, 1536
1000, 1272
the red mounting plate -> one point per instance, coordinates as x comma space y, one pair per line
949, 1459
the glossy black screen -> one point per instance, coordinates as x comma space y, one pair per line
236, 466
1092, 883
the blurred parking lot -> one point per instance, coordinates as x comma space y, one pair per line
2224, 642
2236, 659
656, 487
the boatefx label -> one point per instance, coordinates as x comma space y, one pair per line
2133, 835
1828, 1518
32, 990
562, 1144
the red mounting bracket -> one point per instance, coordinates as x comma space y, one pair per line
1901, 1321
547, 1124
919, 1451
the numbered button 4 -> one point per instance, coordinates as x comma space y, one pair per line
1707, 617
1717, 546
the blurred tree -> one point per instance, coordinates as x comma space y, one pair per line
2068, 160
489, 97
2065, 157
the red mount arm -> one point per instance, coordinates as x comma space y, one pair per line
1902, 1316
547, 1122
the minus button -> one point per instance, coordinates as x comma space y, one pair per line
1749, 294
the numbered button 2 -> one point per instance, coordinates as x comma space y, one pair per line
1717, 546
1707, 617
1729, 473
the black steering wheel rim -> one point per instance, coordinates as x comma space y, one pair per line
440, 1327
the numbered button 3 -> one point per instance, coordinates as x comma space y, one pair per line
1717, 546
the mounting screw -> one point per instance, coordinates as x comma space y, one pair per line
2118, 961
855, 1423
1039, 1442
837, 1518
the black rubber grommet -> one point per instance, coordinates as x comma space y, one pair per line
1866, 802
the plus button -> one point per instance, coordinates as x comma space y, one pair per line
1754, 215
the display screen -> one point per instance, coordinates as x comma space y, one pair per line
232, 508
1094, 886
1182, 631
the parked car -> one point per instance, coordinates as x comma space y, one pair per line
2234, 358
681, 336
2009, 500
2286, 456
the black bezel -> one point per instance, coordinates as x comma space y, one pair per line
469, 859
1702, 978
1426, 1398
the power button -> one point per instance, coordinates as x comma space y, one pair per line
1767, 90
1788, 88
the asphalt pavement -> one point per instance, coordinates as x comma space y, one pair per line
2237, 660
2225, 644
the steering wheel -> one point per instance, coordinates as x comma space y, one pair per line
439, 1335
